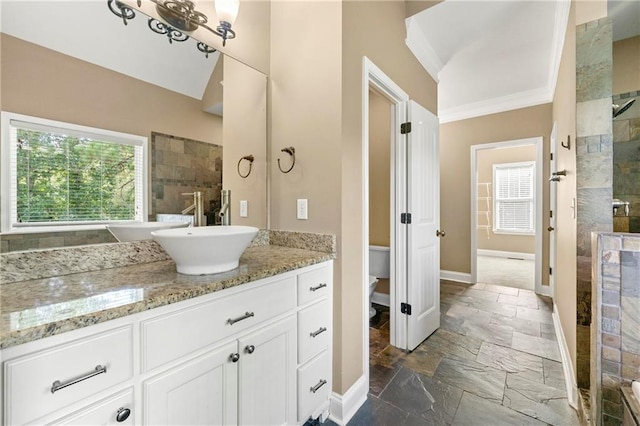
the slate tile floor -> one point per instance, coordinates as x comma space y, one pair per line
494, 361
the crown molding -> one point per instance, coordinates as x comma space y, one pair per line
560, 24
500, 104
422, 49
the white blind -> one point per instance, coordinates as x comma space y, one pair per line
72, 176
513, 197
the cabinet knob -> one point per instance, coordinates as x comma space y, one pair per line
122, 414
234, 357
440, 233
249, 349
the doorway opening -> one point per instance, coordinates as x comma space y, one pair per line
506, 214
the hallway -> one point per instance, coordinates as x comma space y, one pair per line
494, 361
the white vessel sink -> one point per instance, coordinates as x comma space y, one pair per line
137, 231
207, 249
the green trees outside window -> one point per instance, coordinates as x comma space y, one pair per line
69, 179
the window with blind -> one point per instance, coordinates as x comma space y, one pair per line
61, 174
513, 195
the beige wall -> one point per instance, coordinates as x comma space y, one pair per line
43, 83
316, 106
212, 96
379, 169
626, 65
564, 114
589, 10
417, 6
456, 139
244, 131
376, 30
305, 112
487, 239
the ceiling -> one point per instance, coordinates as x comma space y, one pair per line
494, 56
488, 56
87, 30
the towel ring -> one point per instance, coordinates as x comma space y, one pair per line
250, 159
292, 152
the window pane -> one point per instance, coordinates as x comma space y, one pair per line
514, 205
67, 178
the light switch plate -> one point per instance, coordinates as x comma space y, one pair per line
243, 208
302, 211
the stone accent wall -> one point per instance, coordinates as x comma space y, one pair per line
45, 240
615, 339
594, 165
626, 162
180, 165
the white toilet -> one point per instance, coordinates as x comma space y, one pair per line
378, 268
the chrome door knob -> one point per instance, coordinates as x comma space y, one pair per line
122, 414
234, 357
440, 233
249, 349
551, 228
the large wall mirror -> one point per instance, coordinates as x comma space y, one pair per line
625, 17
75, 62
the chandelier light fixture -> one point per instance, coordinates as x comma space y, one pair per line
181, 16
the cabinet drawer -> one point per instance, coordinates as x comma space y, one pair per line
314, 285
30, 381
109, 411
178, 334
314, 330
314, 386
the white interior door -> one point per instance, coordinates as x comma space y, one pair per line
553, 191
423, 244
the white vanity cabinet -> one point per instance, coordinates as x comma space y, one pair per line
258, 353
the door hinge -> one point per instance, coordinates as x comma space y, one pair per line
405, 128
550, 271
551, 213
405, 308
405, 218
551, 155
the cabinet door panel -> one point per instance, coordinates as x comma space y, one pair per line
267, 375
200, 392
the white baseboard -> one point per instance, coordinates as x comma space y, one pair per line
510, 254
567, 365
381, 299
461, 277
343, 407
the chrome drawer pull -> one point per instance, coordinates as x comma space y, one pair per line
318, 287
57, 385
320, 330
232, 321
320, 384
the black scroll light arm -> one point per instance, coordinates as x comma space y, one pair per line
292, 152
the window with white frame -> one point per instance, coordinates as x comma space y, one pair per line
513, 195
61, 174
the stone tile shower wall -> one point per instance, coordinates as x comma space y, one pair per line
180, 165
46, 240
626, 162
594, 159
616, 322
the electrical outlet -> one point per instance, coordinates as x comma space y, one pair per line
302, 211
243, 208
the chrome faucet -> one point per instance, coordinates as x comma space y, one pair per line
196, 207
225, 213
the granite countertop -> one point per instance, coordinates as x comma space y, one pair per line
38, 308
